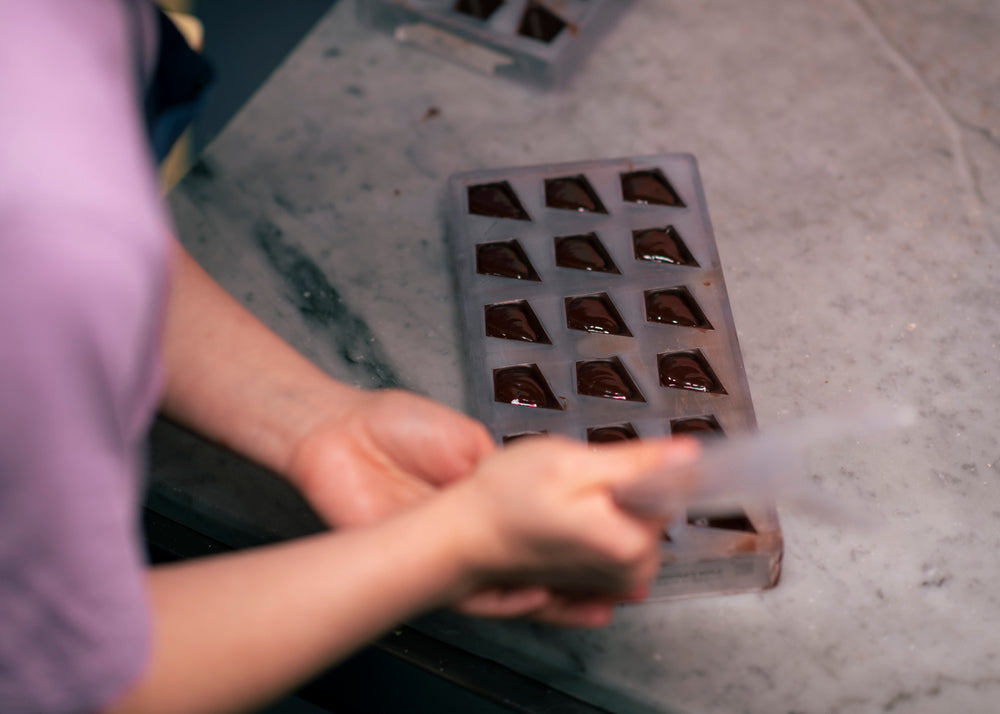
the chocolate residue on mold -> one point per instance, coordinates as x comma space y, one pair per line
514, 321
649, 187
688, 370
478, 8
699, 427
497, 200
736, 521
540, 23
505, 259
674, 306
522, 435
606, 378
584, 252
595, 313
320, 303
524, 386
611, 434
573, 193
662, 245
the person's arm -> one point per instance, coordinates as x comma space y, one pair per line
233, 631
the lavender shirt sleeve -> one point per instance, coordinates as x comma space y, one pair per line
83, 263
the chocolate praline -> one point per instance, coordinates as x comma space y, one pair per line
611, 434
497, 200
662, 245
606, 378
505, 259
649, 186
595, 313
688, 370
514, 321
584, 252
572, 193
674, 306
540, 23
524, 386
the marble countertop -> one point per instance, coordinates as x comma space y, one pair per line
850, 153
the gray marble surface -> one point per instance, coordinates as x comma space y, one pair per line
850, 153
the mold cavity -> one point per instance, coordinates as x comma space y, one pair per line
662, 245
736, 521
584, 252
524, 386
497, 200
524, 434
688, 370
674, 306
649, 187
478, 8
611, 434
540, 23
514, 321
573, 193
700, 426
606, 378
505, 259
595, 313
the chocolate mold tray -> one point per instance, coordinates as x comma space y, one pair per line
538, 41
593, 305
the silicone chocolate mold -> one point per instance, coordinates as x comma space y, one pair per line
524, 386
572, 193
584, 252
674, 306
649, 187
497, 200
688, 370
606, 378
595, 313
662, 245
505, 259
611, 434
514, 321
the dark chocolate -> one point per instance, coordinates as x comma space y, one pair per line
573, 193
688, 370
514, 321
523, 385
478, 8
595, 313
737, 521
524, 434
584, 252
506, 259
662, 245
606, 378
700, 427
497, 200
611, 434
674, 306
649, 186
540, 23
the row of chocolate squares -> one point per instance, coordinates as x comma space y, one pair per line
573, 193
537, 21
596, 313
508, 259
524, 385
700, 427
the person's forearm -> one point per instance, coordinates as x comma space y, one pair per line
233, 631
232, 380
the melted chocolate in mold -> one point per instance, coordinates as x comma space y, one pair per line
606, 378
524, 434
584, 252
478, 8
497, 200
611, 434
649, 187
540, 23
674, 306
524, 386
514, 321
688, 370
505, 259
737, 521
573, 193
595, 313
700, 427
662, 245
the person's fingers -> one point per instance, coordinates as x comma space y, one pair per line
626, 462
505, 602
576, 612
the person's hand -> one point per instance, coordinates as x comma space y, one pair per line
546, 537
387, 450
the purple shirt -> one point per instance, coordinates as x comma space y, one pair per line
83, 280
